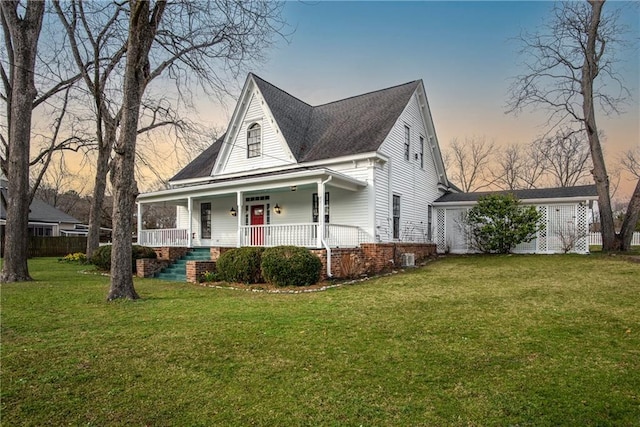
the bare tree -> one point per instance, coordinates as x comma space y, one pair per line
143, 25
509, 168
21, 35
167, 40
30, 45
535, 166
468, 163
570, 66
630, 161
204, 32
566, 156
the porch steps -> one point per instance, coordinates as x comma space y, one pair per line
177, 272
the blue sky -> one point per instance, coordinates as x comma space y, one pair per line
463, 51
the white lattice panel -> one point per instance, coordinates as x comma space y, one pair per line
440, 230
582, 228
542, 234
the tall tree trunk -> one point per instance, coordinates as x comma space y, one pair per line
142, 29
630, 220
24, 34
589, 73
99, 189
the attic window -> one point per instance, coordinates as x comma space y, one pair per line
253, 141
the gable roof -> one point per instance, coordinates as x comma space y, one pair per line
354, 125
202, 165
585, 191
39, 211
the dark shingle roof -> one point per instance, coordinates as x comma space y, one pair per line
355, 125
535, 193
202, 165
40, 211
350, 126
292, 115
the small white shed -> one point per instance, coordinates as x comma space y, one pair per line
565, 215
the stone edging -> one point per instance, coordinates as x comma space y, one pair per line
302, 291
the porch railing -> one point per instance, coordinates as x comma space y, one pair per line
164, 237
344, 236
305, 235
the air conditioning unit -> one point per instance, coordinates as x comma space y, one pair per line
408, 260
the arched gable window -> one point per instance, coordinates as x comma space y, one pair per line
253, 141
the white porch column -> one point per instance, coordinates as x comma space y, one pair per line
139, 221
240, 213
190, 209
320, 214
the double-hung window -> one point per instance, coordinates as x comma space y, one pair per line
253, 141
407, 142
396, 217
421, 152
205, 220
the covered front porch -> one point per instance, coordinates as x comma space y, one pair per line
266, 210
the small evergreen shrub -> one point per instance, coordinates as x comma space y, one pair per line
102, 256
499, 222
240, 265
290, 266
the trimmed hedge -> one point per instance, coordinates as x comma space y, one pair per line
241, 265
102, 256
290, 266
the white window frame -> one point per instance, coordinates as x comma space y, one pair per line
251, 146
407, 142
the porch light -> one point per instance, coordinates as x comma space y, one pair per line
233, 212
277, 209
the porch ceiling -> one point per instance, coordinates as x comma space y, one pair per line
253, 183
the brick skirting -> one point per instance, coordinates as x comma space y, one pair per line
170, 253
196, 268
371, 258
147, 267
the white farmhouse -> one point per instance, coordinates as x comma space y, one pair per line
365, 170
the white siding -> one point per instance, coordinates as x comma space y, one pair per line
296, 206
224, 226
273, 150
182, 217
416, 186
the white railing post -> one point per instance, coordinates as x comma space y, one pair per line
190, 209
139, 222
239, 216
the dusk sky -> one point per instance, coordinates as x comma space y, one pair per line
463, 51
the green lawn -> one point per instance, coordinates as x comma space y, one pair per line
504, 340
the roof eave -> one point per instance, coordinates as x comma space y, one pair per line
256, 183
536, 201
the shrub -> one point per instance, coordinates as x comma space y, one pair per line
290, 266
240, 265
102, 256
78, 257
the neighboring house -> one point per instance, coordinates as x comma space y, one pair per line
365, 169
44, 219
564, 218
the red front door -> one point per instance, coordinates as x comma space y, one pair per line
257, 221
